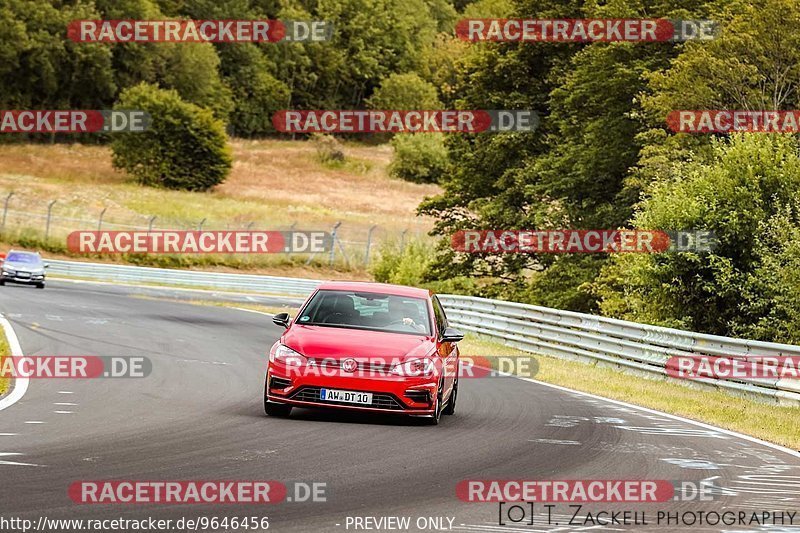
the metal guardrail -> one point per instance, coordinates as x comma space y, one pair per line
187, 278
626, 345
563, 334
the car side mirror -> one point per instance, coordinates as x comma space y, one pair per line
282, 319
452, 335
46, 266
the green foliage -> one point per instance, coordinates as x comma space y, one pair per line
405, 91
420, 158
746, 193
184, 148
408, 265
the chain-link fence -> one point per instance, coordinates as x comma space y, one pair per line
354, 245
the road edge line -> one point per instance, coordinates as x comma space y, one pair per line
732, 433
20, 384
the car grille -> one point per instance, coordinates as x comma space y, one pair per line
379, 400
363, 366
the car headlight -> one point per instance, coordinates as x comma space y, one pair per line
9, 271
287, 356
424, 367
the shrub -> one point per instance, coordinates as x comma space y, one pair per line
185, 147
329, 149
421, 157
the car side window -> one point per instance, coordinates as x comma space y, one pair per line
441, 318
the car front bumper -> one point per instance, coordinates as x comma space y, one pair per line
390, 394
19, 277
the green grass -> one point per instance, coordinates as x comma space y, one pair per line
773, 423
4, 351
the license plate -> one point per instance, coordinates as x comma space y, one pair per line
334, 395
23, 275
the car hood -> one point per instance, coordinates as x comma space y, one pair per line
28, 267
340, 343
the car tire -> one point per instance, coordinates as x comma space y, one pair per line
450, 409
2, 282
433, 419
280, 410
40, 285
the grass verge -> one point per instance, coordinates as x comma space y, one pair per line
5, 350
772, 423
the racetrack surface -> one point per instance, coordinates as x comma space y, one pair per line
199, 416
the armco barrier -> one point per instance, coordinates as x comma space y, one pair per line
627, 345
563, 334
187, 278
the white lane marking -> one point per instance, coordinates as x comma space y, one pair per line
34, 422
65, 392
556, 441
778, 447
8, 434
64, 403
20, 384
64, 412
13, 463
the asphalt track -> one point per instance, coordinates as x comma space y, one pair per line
199, 417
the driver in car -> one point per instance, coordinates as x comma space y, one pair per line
409, 313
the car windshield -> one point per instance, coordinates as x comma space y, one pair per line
367, 310
18, 257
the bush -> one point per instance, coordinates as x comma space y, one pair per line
421, 157
404, 92
410, 265
329, 149
185, 147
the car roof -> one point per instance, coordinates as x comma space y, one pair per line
380, 288
23, 252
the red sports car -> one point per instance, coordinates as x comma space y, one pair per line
365, 347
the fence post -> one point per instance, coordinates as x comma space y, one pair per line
369, 244
49, 212
150, 223
100, 221
333, 242
200, 226
403, 240
5, 210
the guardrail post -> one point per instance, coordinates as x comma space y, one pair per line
100, 221
333, 242
49, 213
369, 244
150, 223
5, 210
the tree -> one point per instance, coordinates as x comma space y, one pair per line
185, 147
746, 192
405, 91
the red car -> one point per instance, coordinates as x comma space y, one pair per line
365, 347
